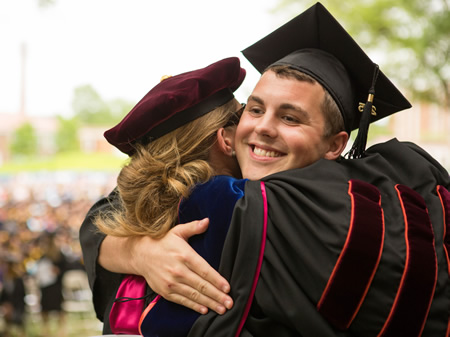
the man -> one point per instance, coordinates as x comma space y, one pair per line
355, 247
262, 319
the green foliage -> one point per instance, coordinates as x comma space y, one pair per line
24, 141
410, 39
118, 108
91, 109
75, 161
67, 135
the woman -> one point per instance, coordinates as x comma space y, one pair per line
179, 135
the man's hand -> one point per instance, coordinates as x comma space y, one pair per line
171, 267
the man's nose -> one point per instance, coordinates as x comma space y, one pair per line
266, 126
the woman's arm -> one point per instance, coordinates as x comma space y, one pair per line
170, 266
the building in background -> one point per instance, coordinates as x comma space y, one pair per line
426, 125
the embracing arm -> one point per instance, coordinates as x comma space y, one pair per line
169, 265
103, 283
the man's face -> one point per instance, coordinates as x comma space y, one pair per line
281, 127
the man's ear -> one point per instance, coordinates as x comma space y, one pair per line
225, 140
338, 142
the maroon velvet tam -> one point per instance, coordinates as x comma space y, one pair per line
176, 101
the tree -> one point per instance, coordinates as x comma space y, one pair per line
24, 140
411, 38
91, 109
119, 108
67, 135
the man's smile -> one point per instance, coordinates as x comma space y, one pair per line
265, 153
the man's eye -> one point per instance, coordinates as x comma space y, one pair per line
256, 111
291, 119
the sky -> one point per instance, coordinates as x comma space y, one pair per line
120, 47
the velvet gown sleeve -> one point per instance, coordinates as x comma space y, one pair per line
216, 200
103, 283
352, 248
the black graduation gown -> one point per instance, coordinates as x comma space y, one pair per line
103, 283
350, 248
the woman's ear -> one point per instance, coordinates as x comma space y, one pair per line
338, 142
225, 140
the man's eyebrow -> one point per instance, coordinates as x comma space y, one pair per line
285, 106
255, 99
298, 109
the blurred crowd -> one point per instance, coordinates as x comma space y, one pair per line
40, 217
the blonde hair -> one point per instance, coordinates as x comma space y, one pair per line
162, 172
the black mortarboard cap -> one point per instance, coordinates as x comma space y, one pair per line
316, 44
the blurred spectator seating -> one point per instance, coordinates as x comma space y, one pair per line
76, 292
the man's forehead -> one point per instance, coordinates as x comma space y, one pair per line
286, 85
287, 93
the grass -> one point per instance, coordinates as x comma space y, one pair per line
76, 325
65, 161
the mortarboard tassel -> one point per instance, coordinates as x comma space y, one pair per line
359, 146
